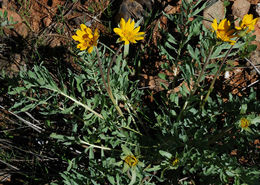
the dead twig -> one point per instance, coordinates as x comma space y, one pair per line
250, 85
33, 126
253, 65
9, 165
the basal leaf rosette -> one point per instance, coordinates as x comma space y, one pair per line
128, 33
86, 38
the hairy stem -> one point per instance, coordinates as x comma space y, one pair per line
215, 77
110, 66
107, 86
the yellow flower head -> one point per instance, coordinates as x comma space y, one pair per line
247, 22
131, 160
224, 31
244, 123
86, 38
128, 32
175, 161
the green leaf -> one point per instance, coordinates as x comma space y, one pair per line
5, 14
91, 153
251, 48
256, 120
153, 169
243, 109
126, 151
125, 168
171, 39
111, 179
133, 179
165, 154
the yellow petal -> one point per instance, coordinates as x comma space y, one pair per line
88, 32
255, 21
132, 25
248, 18
90, 49
215, 24
80, 33
127, 25
83, 27
139, 38
232, 42
82, 46
136, 30
227, 25
238, 28
224, 25
96, 33
122, 23
117, 30
76, 38
140, 33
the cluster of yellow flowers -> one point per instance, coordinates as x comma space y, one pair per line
127, 32
225, 32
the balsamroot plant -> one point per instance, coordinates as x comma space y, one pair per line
111, 135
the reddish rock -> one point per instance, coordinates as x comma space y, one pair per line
19, 28
255, 56
253, 1
257, 34
46, 21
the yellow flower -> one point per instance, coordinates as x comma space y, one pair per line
128, 32
244, 123
131, 160
86, 38
224, 31
175, 161
247, 22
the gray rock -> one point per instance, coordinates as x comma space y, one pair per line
240, 8
216, 10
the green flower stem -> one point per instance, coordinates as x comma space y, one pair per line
202, 72
101, 70
110, 65
136, 114
107, 86
196, 84
128, 128
215, 77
